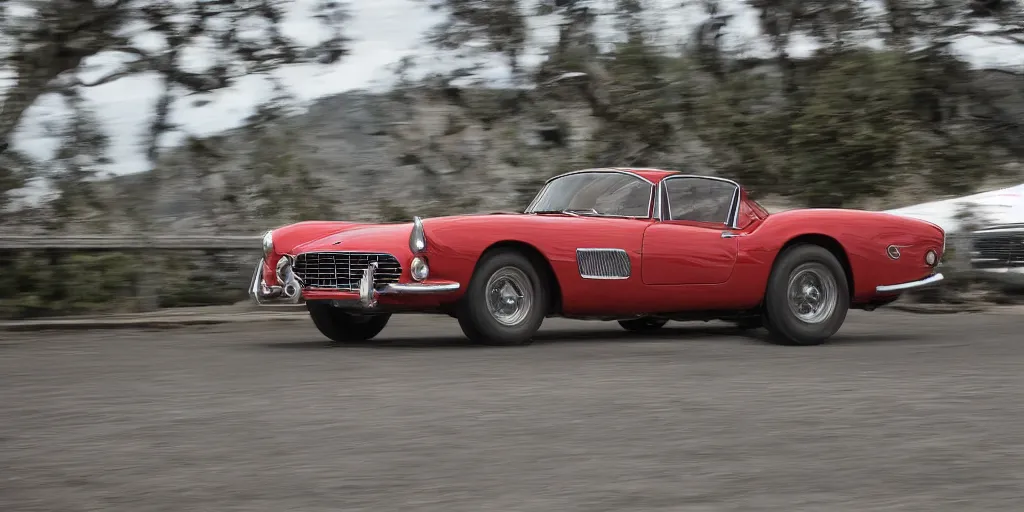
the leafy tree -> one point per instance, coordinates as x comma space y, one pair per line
46, 50
76, 164
847, 138
636, 127
500, 25
287, 187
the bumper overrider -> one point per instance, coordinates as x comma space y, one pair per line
289, 291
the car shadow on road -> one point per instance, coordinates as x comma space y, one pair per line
563, 336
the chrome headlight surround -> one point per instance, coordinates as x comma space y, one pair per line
268, 244
417, 238
418, 268
284, 269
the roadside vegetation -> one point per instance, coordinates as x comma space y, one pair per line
848, 126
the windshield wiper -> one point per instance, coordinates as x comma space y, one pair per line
567, 212
584, 211
571, 211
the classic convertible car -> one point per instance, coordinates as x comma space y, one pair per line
637, 246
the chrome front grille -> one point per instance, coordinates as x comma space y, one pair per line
342, 270
1003, 249
603, 263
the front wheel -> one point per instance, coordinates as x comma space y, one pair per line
506, 300
807, 297
343, 327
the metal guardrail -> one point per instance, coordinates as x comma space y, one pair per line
56, 275
130, 242
45, 275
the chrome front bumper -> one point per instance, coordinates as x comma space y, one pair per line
265, 295
291, 292
912, 285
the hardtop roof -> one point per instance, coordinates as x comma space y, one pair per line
651, 175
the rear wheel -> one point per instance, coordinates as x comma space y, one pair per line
807, 297
645, 324
344, 327
506, 300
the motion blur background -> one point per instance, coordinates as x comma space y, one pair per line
127, 119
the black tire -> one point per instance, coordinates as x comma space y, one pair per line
785, 325
341, 326
482, 326
644, 324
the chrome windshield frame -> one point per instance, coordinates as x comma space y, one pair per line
664, 206
651, 201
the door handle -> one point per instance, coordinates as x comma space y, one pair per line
729, 234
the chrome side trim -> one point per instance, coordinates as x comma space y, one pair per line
928, 281
597, 263
731, 220
656, 200
734, 209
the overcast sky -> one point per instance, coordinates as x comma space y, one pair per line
383, 32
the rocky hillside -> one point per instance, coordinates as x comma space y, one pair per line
433, 149
387, 157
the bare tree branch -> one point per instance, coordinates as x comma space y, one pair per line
66, 32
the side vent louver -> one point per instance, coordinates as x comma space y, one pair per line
603, 263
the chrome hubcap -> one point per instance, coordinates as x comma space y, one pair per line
812, 293
509, 296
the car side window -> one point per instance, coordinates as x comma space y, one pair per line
699, 200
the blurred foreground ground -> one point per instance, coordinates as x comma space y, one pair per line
900, 412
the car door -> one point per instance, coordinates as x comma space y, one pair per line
691, 244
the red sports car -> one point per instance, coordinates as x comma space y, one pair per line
639, 246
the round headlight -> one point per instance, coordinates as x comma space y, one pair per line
419, 269
268, 243
931, 258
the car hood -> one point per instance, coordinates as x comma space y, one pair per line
394, 238
364, 237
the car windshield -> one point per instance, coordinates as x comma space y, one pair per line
595, 193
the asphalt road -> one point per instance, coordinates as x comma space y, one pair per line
900, 412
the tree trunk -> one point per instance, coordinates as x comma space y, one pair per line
19, 98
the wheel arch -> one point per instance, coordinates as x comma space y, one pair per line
830, 244
540, 261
